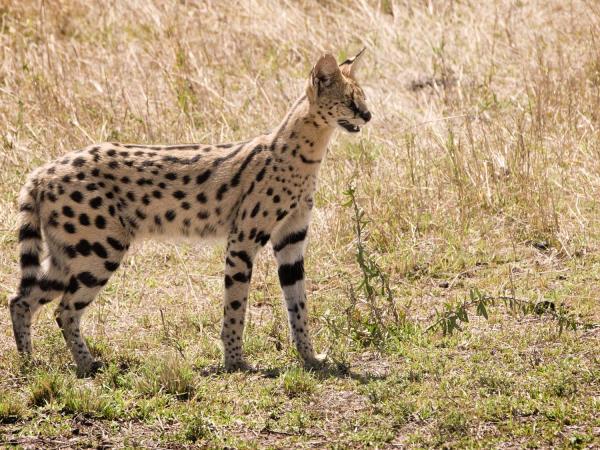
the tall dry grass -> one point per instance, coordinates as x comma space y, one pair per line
480, 166
480, 171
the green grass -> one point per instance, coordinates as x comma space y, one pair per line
466, 390
475, 186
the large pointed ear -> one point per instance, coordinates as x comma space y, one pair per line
323, 74
350, 66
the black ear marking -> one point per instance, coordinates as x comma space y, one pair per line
349, 61
349, 66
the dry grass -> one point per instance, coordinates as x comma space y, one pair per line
481, 169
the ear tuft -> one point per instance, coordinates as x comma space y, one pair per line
349, 67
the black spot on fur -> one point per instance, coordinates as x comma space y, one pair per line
114, 243
203, 176
281, 214
170, 215
73, 285
27, 231
236, 178
69, 228
290, 239
29, 260
99, 250
290, 274
96, 202
241, 277
27, 283
87, 279
68, 211
261, 174
78, 162
243, 256
76, 196
262, 237
51, 285
53, 219
222, 190
83, 247
100, 222
111, 266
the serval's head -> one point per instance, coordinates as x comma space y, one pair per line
334, 93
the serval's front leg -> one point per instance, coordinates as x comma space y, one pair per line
289, 244
238, 271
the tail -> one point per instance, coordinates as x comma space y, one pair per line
30, 236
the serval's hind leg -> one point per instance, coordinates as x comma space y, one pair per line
48, 284
83, 287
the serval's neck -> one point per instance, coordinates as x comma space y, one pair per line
302, 136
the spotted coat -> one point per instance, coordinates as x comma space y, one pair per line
85, 209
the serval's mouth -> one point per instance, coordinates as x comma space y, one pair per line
348, 126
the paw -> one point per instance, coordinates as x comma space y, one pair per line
316, 362
90, 370
239, 365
